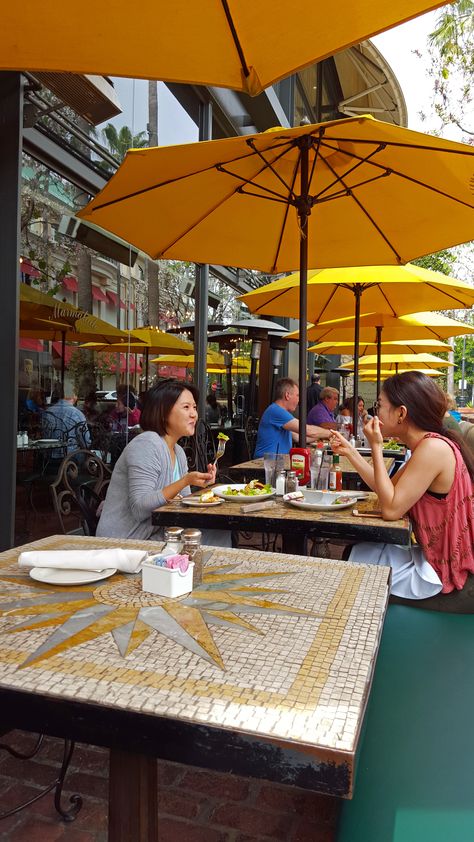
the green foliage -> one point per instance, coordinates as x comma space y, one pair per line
119, 142
452, 66
468, 358
441, 261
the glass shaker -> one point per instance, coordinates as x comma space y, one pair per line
173, 540
291, 482
192, 548
280, 483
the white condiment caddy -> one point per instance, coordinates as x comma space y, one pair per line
166, 581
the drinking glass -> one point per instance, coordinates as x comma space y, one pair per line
269, 463
323, 481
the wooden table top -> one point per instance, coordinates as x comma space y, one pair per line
285, 518
264, 669
254, 465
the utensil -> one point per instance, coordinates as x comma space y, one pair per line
220, 450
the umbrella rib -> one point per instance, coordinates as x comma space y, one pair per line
392, 171
285, 218
398, 143
235, 38
462, 305
352, 169
269, 165
361, 207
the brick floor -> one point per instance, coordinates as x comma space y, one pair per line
194, 805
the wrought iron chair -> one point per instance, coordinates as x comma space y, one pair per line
78, 490
251, 429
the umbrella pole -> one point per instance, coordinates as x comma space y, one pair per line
63, 354
379, 357
355, 402
147, 350
303, 212
229, 389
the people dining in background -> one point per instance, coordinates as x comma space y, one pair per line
213, 413
126, 413
152, 469
434, 487
63, 408
344, 416
35, 399
278, 427
322, 413
452, 408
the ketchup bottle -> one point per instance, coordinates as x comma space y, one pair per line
300, 462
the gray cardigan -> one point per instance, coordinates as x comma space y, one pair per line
144, 468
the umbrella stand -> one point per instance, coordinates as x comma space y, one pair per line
63, 354
379, 356
358, 289
304, 210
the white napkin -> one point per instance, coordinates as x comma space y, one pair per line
128, 561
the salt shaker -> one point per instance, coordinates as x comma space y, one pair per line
25, 438
173, 540
280, 483
192, 548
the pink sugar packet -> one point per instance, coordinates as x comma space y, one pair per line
178, 562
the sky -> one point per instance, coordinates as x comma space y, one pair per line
397, 46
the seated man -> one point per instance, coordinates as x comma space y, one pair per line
278, 426
68, 417
323, 413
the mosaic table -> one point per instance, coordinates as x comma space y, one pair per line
253, 469
264, 670
295, 525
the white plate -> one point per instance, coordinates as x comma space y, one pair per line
356, 495
322, 501
58, 576
46, 441
220, 491
195, 501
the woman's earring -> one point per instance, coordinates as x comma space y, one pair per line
399, 421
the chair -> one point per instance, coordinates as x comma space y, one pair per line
78, 490
200, 449
251, 430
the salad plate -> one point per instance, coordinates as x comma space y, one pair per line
323, 501
69, 576
195, 501
244, 491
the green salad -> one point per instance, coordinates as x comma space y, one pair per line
252, 489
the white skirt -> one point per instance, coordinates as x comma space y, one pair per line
413, 577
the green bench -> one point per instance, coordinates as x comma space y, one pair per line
415, 774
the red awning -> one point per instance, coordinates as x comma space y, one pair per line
31, 345
68, 351
110, 359
70, 282
114, 299
27, 268
98, 294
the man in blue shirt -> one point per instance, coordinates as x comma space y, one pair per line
323, 413
278, 426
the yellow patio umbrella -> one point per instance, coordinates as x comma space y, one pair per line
415, 346
406, 361
370, 375
361, 189
238, 44
381, 327
213, 359
146, 340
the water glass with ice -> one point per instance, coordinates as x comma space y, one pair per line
269, 464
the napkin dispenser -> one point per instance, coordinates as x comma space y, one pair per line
164, 581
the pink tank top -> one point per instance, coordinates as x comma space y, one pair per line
445, 528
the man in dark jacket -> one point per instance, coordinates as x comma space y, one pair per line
313, 392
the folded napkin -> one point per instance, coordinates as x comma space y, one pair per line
128, 561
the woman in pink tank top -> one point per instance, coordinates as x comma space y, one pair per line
435, 487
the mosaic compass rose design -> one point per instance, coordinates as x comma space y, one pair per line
119, 607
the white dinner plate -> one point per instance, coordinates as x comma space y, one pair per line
59, 576
46, 441
355, 495
221, 490
195, 501
321, 501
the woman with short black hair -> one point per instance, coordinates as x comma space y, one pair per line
153, 469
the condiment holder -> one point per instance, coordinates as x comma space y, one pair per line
165, 581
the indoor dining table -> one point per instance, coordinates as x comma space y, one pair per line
295, 525
263, 670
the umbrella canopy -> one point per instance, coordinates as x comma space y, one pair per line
366, 191
370, 375
416, 346
242, 45
45, 317
212, 359
415, 326
405, 361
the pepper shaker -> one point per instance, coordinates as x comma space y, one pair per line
192, 548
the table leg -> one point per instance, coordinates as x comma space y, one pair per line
133, 797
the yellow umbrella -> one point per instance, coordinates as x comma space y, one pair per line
213, 359
405, 361
370, 375
366, 191
386, 328
44, 317
242, 45
146, 340
414, 346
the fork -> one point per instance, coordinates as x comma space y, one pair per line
220, 450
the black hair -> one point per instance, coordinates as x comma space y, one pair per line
160, 400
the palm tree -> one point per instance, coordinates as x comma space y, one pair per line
119, 142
